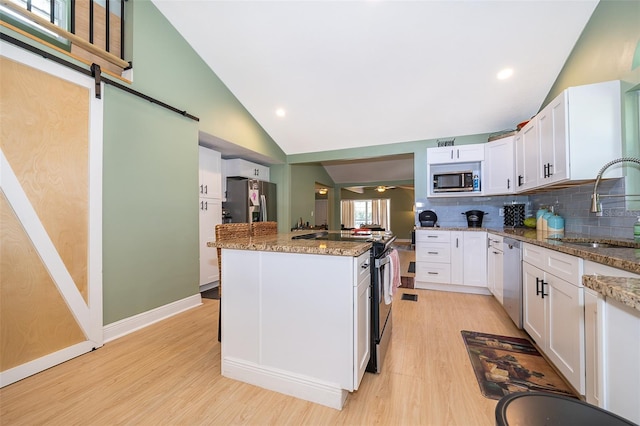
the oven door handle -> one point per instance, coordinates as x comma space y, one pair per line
382, 261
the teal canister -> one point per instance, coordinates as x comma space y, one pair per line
555, 224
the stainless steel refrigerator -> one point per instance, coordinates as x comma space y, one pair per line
250, 200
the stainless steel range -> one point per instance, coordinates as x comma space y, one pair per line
381, 318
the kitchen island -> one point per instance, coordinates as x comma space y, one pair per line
296, 315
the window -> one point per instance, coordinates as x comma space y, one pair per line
356, 213
60, 17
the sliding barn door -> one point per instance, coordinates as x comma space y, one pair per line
50, 214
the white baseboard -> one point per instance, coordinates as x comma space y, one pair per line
452, 287
284, 382
129, 325
209, 286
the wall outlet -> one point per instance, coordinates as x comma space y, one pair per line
501, 212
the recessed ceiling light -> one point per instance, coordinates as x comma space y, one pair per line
505, 73
280, 112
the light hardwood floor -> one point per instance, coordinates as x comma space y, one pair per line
169, 373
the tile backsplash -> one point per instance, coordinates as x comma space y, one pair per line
573, 203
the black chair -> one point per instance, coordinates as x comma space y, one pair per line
543, 408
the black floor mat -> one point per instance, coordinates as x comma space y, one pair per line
412, 267
412, 297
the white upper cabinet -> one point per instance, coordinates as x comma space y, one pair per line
210, 181
499, 166
244, 168
455, 160
455, 154
527, 159
572, 137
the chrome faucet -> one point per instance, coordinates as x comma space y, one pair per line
596, 205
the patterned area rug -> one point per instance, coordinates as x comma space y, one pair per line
504, 365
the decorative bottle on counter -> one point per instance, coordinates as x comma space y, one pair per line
539, 215
476, 183
555, 225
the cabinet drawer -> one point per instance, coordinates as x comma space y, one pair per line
564, 266
433, 272
433, 252
495, 241
533, 255
423, 236
363, 268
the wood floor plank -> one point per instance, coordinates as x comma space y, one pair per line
169, 373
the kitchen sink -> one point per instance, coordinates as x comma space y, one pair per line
595, 243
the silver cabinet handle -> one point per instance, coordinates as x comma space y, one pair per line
365, 265
433, 252
432, 273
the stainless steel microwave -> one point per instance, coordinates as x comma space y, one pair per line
453, 182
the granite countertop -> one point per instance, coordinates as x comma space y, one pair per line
624, 290
284, 244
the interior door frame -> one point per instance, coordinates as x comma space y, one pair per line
89, 316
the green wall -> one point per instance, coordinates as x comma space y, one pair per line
150, 216
302, 195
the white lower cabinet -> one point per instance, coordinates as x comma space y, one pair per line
495, 266
210, 216
612, 345
593, 328
451, 260
296, 323
554, 309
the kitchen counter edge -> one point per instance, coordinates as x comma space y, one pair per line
282, 243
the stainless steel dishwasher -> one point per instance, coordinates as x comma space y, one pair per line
512, 290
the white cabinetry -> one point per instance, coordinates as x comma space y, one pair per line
572, 137
526, 150
210, 205
593, 327
553, 302
244, 168
210, 173
452, 159
495, 263
612, 343
362, 317
455, 154
433, 257
277, 333
451, 261
499, 166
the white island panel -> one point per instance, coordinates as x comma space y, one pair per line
288, 323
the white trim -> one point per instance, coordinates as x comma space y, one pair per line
30, 368
484, 291
306, 388
209, 286
94, 256
129, 325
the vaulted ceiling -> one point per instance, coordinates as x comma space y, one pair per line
363, 73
